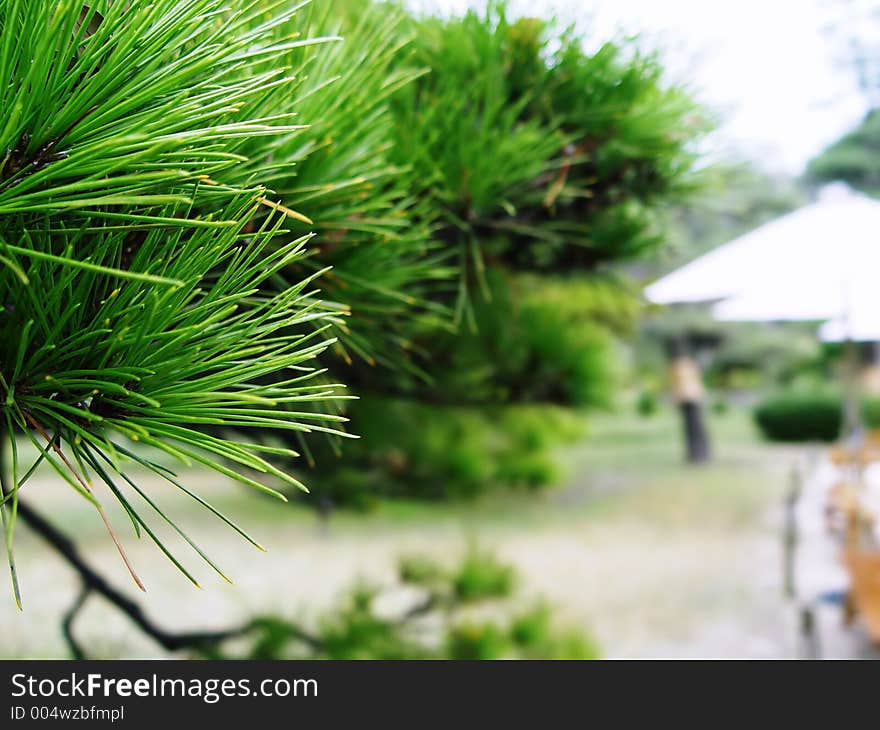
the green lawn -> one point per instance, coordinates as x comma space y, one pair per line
648, 554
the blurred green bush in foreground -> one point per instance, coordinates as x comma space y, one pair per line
468, 611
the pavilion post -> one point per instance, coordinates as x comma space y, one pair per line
852, 420
688, 392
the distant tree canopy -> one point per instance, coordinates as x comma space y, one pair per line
854, 158
853, 27
733, 200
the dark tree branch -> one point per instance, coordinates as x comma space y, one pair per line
421, 608
76, 651
94, 582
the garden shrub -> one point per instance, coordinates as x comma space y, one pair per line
481, 575
800, 416
809, 415
647, 403
442, 621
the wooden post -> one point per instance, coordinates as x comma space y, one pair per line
687, 389
869, 377
809, 633
852, 420
790, 534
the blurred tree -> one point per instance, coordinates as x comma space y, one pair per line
734, 198
854, 158
542, 167
853, 27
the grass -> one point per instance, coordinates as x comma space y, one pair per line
634, 466
627, 464
650, 555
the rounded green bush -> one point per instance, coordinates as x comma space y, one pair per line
647, 403
803, 415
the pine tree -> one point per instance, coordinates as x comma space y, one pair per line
137, 250
213, 213
539, 166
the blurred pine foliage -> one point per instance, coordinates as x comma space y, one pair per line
539, 167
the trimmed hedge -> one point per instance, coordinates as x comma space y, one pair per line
800, 415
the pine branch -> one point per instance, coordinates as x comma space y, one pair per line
94, 582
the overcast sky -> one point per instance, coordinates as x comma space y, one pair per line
767, 67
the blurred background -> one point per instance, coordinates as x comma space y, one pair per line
579, 466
